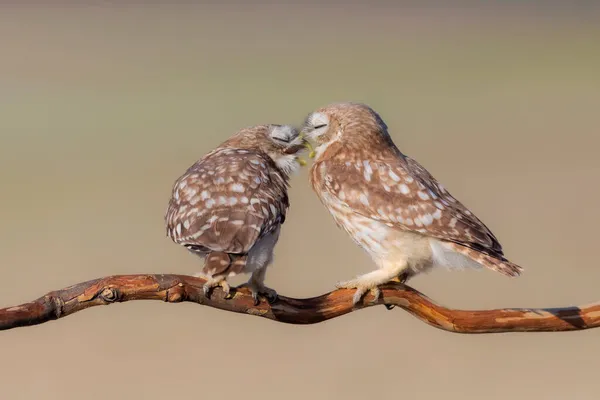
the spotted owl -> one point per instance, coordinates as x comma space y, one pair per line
389, 204
229, 206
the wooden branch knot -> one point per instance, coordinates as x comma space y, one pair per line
57, 305
109, 295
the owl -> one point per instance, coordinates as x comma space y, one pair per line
389, 204
228, 208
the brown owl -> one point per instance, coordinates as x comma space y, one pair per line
229, 206
389, 204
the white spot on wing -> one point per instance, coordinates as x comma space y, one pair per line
368, 170
427, 219
394, 177
237, 187
364, 199
404, 189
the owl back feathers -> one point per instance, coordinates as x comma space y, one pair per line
226, 202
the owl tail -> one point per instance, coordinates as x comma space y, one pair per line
501, 265
225, 264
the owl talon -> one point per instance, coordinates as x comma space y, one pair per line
361, 290
269, 295
258, 291
211, 284
272, 297
358, 295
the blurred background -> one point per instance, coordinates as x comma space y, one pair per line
103, 106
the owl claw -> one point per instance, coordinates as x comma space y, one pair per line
260, 290
361, 290
211, 284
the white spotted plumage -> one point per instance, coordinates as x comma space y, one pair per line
229, 206
389, 204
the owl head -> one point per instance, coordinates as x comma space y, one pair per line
281, 143
344, 122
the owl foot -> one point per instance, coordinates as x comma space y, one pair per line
260, 290
361, 290
212, 283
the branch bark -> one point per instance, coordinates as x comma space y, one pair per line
178, 288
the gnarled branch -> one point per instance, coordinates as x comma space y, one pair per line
178, 288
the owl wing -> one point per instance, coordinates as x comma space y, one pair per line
227, 201
400, 193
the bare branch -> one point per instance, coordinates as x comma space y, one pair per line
178, 288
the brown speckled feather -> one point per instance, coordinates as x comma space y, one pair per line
363, 173
227, 201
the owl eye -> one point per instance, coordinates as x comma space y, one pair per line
320, 126
279, 139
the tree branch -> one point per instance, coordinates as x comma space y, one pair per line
178, 288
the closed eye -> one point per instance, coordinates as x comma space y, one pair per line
320, 126
279, 139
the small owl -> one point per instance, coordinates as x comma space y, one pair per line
229, 206
389, 204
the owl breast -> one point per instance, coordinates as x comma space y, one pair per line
383, 243
372, 236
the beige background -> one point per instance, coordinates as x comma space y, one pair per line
101, 109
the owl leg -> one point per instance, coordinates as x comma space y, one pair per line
259, 258
257, 286
215, 271
369, 282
